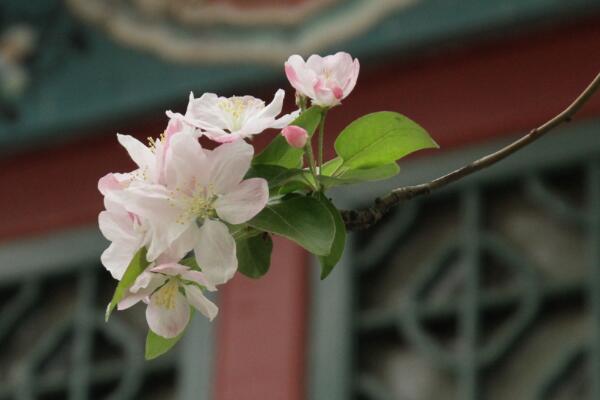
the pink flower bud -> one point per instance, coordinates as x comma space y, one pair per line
295, 136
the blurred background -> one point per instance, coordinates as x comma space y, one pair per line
487, 290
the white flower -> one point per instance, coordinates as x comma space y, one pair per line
228, 119
325, 80
202, 189
126, 231
169, 289
151, 159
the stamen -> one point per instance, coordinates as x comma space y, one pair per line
165, 296
236, 107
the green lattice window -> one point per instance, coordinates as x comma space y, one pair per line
489, 290
55, 343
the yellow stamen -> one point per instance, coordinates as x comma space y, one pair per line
165, 296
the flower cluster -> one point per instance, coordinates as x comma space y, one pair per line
178, 210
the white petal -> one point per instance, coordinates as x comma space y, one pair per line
139, 153
187, 163
130, 300
229, 164
301, 77
143, 287
204, 111
153, 202
316, 63
147, 282
172, 269
216, 134
117, 256
274, 108
116, 225
244, 202
285, 120
197, 299
199, 278
215, 252
351, 82
183, 244
168, 313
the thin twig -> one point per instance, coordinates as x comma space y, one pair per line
364, 218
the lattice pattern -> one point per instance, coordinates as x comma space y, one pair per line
56, 344
487, 292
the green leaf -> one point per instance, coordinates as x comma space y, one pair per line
276, 175
157, 345
279, 152
254, 255
331, 167
303, 183
352, 176
339, 241
381, 172
380, 138
305, 220
242, 231
137, 265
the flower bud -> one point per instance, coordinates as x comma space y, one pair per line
295, 136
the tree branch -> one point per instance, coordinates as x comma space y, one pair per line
366, 217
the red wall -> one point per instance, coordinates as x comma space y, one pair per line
461, 96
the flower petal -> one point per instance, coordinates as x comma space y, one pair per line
186, 163
153, 202
116, 226
117, 256
301, 77
204, 112
215, 252
285, 120
168, 312
197, 299
199, 278
172, 269
147, 282
143, 287
229, 164
351, 82
274, 108
139, 153
244, 202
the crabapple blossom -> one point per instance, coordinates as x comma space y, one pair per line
325, 80
151, 159
169, 289
126, 231
202, 189
295, 136
225, 119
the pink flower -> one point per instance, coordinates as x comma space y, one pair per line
169, 289
295, 136
225, 120
125, 230
202, 190
325, 80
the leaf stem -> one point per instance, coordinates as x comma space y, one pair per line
311, 163
321, 139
